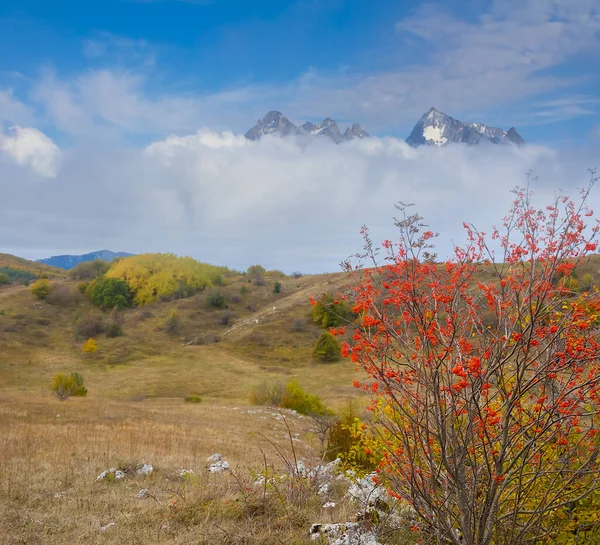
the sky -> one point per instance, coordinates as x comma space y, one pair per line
121, 121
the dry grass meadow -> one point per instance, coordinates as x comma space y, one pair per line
52, 451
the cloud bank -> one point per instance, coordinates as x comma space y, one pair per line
279, 202
31, 147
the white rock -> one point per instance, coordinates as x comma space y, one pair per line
143, 493
117, 473
346, 533
108, 526
219, 466
145, 469
324, 489
329, 505
214, 458
186, 472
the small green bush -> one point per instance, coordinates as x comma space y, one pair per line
216, 299
83, 286
277, 287
218, 280
41, 289
4, 279
172, 323
328, 348
346, 438
65, 386
298, 399
243, 291
111, 293
192, 398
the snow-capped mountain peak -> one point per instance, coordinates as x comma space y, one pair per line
436, 128
275, 122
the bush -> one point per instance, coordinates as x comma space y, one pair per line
328, 348
218, 280
66, 386
172, 323
90, 346
82, 287
298, 325
88, 326
4, 279
216, 299
62, 296
277, 287
227, 318
257, 274
268, 393
192, 398
41, 289
114, 328
346, 440
297, 274
88, 270
111, 293
17, 275
587, 282
243, 291
330, 312
298, 399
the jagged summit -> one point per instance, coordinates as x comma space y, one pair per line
272, 122
435, 128
275, 122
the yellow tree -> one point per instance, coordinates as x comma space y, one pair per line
90, 346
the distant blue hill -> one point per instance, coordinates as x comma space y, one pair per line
70, 261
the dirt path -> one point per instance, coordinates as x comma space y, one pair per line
243, 327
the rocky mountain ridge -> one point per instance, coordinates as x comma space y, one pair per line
435, 128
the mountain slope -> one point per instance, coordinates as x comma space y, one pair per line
436, 128
36, 268
69, 261
276, 123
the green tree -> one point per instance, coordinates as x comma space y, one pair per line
257, 274
330, 312
277, 287
111, 293
65, 386
328, 348
4, 279
216, 299
41, 289
88, 270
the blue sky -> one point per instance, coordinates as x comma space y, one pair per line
528, 64
121, 120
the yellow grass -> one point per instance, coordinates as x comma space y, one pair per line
52, 451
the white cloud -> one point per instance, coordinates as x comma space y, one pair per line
32, 148
13, 110
282, 203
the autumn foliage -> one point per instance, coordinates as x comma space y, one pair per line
162, 276
485, 374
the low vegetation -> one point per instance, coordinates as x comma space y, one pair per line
151, 277
41, 288
65, 386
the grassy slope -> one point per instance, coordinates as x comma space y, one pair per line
49, 447
14, 262
270, 336
135, 411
